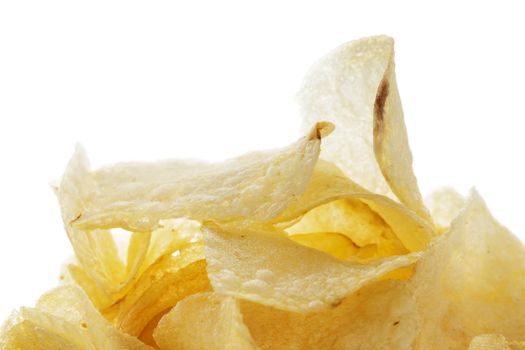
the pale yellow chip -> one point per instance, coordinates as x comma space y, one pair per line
444, 205
494, 342
171, 236
30, 329
99, 269
256, 187
64, 319
489, 342
271, 269
378, 316
282, 250
354, 87
165, 283
329, 184
204, 321
470, 281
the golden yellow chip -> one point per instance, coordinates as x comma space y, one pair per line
331, 243
330, 184
165, 283
370, 234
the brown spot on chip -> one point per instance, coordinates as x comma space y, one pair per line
76, 218
379, 105
396, 323
336, 303
83, 325
320, 130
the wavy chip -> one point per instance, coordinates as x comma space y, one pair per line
378, 316
470, 281
169, 280
280, 249
255, 187
355, 220
378, 215
99, 269
354, 87
64, 319
204, 321
271, 269
444, 206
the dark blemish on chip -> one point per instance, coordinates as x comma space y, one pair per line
320, 130
337, 303
396, 323
83, 325
75, 219
379, 105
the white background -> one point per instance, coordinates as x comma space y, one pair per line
154, 79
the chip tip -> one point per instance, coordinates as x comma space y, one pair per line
321, 130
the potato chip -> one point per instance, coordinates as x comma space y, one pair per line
100, 271
103, 285
470, 281
378, 316
280, 249
146, 335
330, 184
256, 187
354, 87
269, 268
166, 282
517, 345
335, 244
29, 329
64, 319
370, 234
204, 321
494, 342
172, 235
444, 206
136, 253
489, 342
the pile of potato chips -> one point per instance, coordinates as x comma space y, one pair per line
323, 244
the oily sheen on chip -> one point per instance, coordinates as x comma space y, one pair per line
325, 243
